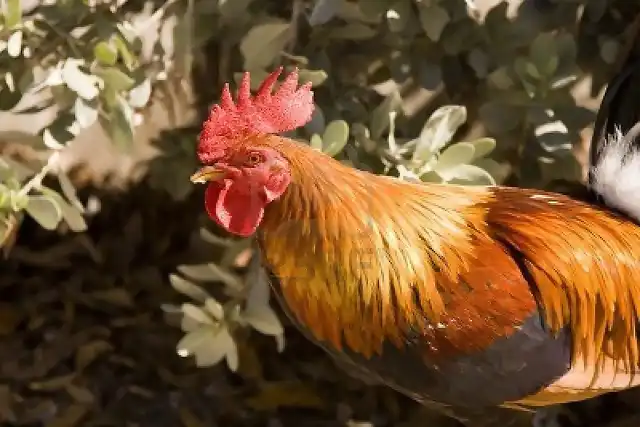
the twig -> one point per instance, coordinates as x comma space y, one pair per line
36, 180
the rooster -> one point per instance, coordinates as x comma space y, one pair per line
471, 297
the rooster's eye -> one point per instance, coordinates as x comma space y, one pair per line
254, 158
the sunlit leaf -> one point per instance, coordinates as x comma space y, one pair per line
14, 44
188, 288
438, 130
86, 112
85, 85
335, 137
106, 53
263, 319
453, 156
45, 211
196, 313
139, 95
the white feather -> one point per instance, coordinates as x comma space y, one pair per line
616, 176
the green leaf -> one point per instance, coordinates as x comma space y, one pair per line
45, 211
124, 49
438, 131
335, 137
115, 79
469, 174
12, 13
483, 146
263, 319
323, 11
316, 77
105, 53
316, 142
86, 112
263, 43
196, 313
188, 288
70, 213
119, 127
69, 191
544, 55
433, 19
453, 156
214, 308
73, 217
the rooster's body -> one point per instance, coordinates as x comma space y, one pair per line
466, 296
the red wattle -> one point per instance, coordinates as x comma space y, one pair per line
234, 207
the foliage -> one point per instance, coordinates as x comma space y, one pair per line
467, 92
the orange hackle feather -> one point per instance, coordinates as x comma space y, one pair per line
363, 259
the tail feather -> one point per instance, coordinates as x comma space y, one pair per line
615, 177
614, 161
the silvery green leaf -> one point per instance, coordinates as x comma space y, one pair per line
188, 288
196, 313
315, 77
498, 171
335, 137
263, 43
45, 211
482, 147
453, 156
189, 324
471, 174
72, 215
214, 308
69, 191
316, 142
193, 341
213, 350
323, 11
232, 356
438, 131
263, 319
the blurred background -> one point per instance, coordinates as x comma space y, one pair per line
121, 304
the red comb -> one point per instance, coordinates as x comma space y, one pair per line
286, 109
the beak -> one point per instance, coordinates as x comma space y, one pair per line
206, 174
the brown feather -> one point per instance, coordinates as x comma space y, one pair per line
364, 259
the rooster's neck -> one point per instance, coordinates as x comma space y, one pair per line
349, 248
